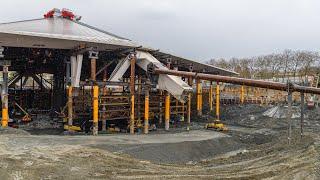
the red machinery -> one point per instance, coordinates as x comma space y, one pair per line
65, 13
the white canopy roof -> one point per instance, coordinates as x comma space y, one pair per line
31, 33
62, 33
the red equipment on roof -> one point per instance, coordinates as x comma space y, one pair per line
65, 13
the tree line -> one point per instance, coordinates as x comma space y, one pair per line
289, 63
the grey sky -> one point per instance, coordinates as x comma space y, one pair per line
197, 29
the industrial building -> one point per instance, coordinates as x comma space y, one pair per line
91, 79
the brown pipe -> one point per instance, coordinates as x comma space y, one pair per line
239, 81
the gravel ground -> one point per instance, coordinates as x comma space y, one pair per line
253, 148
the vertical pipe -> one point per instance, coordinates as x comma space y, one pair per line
146, 111
95, 110
73, 69
104, 93
93, 68
189, 105
5, 112
139, 102
167, 111
201, 102
302, 114
176, 109
78, 70
68, 73
160, 107
211, 97
218, 101
132, 89
242, 94
70, 107
289, 115
189, 112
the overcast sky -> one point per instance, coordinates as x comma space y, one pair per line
197, 29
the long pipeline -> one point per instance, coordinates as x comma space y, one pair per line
239, 81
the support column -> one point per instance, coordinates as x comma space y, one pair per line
167, 111
70, 107
132, 89
242, 94
76, 66
211, 97
146, 110
73, 64
93, 69
302, 114
289, 115
139, 90
93, 55
189, 101
95, 110
104, 92
68, 74
218, 101
199, 97
160, 107
4, 94
189, 112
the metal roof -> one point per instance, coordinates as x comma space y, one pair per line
63, 29
198, 66
62, 33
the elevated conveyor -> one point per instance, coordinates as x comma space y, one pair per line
173, 84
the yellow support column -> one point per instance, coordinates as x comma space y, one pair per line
132, 91
5, 111
95, 110
146, 111
211, 97
5, 117
218, 101
242, 94
199, 97
70, 107
167, 111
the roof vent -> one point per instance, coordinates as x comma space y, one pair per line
64, 13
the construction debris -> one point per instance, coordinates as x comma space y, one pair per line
280, 111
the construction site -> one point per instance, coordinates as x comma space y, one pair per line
79, 102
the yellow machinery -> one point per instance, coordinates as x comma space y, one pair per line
217, 125
71, 128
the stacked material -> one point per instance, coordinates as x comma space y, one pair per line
280, 112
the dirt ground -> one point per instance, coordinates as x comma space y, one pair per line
255, 147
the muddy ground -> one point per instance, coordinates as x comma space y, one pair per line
255, 147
